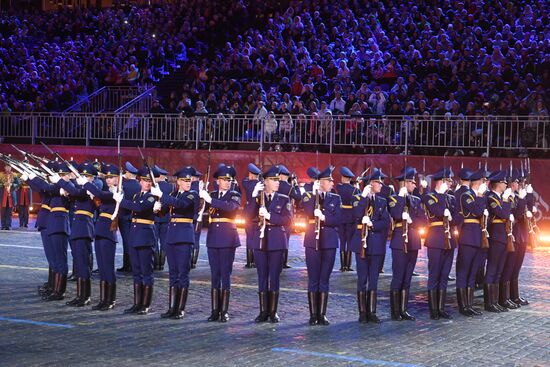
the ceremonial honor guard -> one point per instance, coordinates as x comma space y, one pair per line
222, 239
196, 184
409, 216
346, 191
24, 203
312, 173
130, 187
292, 190
251, 224
162, 218
272, 213
439, 241
473, 211
142, 241
324, 211
372, 222
105, 235
9, 184
82, 233
501, 218
180, 237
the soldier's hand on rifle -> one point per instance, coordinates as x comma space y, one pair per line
447, 213
90, 194
403, 192
302, 190
316, 187
529, 189
54, 178
24, 177
481, 189
81, 180
535, 210
157, 206
62, 192
507, 193
512, 219
156, 191
528, 214
424, 183
405, 216
203, 194
118, 196
259, 187
485, 212
112, 189
366, 191
319, 214
392, 188
522, 193
264, 213
366, 220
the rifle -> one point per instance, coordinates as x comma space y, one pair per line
509, 228
20, 166
364, 227
446, 222
114, 219
40, 161
531, 222
421, 189
317, 222
484, 223
69, 165
262, 221
405, 210
202, 203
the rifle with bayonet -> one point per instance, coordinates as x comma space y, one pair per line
509, 228
114, 219
57, 155
205, 178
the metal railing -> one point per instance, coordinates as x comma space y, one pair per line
107, 99
407, 133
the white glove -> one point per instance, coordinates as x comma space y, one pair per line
482, 189
62, 192
259, 187
405, 216
264, 213
535, 210
424, 183
302, 190
366, 220
403, 192
32, 176
529, 189
201, 185
319, 213
90, 194
118, 196
24, 177
366, 191
203, 194
485, 212
156, 191
316, 187
528, 214
54, 178
522, 193
512, 219
157, 206
447, 213
443, 188
112, 189
391, 187
507, 193
81, 180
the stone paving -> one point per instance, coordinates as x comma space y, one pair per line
34, 332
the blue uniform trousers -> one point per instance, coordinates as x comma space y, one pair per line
520, 255
124, 228
105, 256
319, 267
80, 248
346, 234
46, 242
368, 270
467, 264
440, 262
179, 264
496, 258
221, 266
142, 264
59, 242
402, 268
161, 228
269, 265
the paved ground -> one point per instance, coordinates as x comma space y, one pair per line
34, 332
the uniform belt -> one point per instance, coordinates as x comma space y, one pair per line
347, 206
359, 226
435, 224
44, 206
311, 221
106, 215
59, 209
84, 212
498, 221
221, 220
400, 224
142, 221
181, 220
471, 221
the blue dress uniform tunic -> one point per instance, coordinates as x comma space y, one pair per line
320, 263
250, 218
293, 192
130, 187
162, 218
269, 255
197, 228
499, 213
368, 267
521, 237
180, 235
42, 217
347, 228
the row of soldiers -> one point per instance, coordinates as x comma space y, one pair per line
354, 219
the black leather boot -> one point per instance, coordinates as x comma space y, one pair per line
224, 316
371, 307
110, 297
60, 286
349, 260
322, 309
215, 300
172, 291
273, 304
496, 297
514, 293
404, 305
155, 260
138, 289
48, 286
264, 315
433, 304
490, 298
362, 304
312, 300
181, 301
395, 304
86, 293
75, 300
462, 300
285, 262
504, 297
343, 261
248, 258
195, 258
102, 295
162, 259
147, 299
470, 295
442, 299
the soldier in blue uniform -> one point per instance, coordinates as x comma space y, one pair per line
82, 233
130, 187
196, 185
251, 224
105, 235
473, 207
142, 241
162, 217
292, 190
499, 206
180, 237
408, 214
269, 240
346, 191
323, 206
312, 173
370, 209
222, 239
440, 209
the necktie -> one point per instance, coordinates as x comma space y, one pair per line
268, 200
